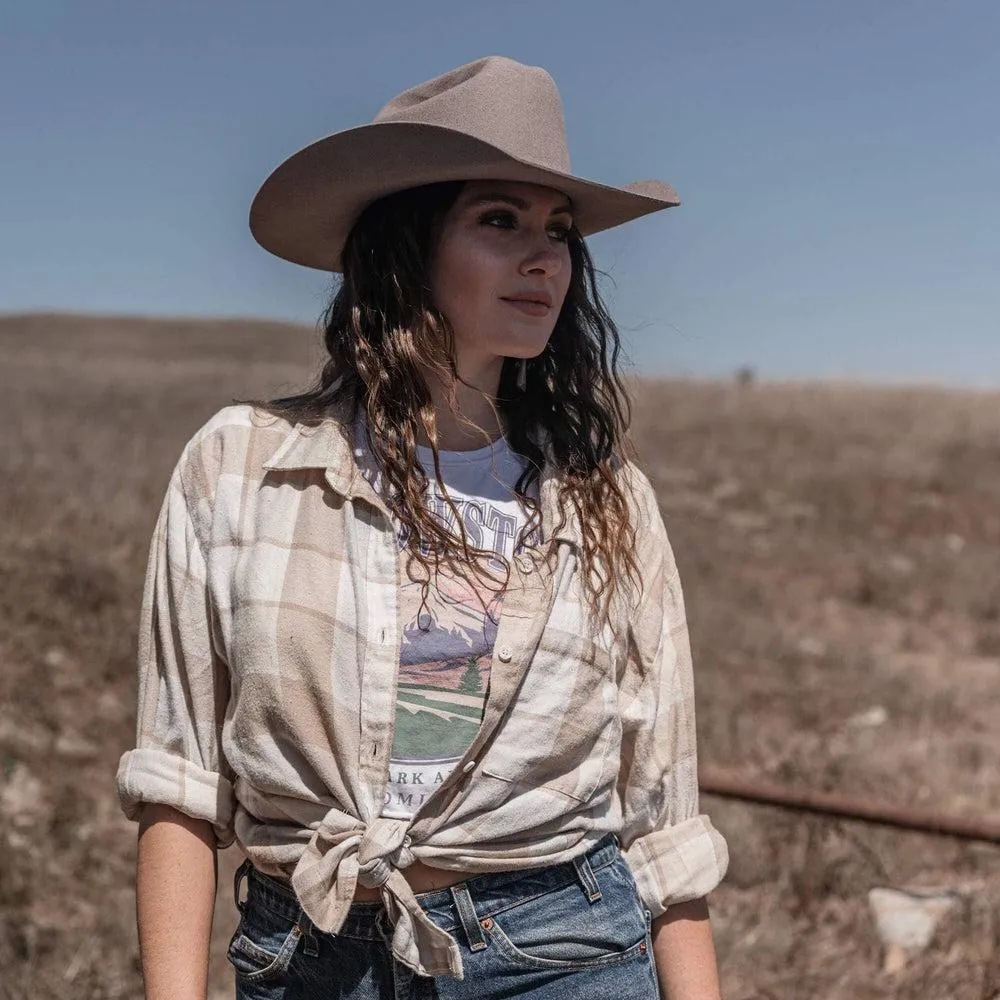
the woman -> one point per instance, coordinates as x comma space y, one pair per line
415, 638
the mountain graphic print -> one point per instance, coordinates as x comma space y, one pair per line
445, 654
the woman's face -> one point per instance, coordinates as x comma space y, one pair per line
501, 269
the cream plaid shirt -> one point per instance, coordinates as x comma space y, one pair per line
268, 653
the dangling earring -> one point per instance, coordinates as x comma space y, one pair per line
522, 374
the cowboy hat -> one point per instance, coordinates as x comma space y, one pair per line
492, 119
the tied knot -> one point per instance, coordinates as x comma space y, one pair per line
340, 855
384, 847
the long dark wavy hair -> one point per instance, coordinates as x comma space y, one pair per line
382, 321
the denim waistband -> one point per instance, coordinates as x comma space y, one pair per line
492, 893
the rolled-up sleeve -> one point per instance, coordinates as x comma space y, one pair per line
183, 682
674, 851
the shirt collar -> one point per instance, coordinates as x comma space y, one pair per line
329, 445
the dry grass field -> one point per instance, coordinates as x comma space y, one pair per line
840, 549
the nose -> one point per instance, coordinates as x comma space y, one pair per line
545, 261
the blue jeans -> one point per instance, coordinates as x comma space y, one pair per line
572, 931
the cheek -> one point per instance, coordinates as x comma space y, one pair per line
464, 280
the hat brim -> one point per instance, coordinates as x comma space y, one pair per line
305, 209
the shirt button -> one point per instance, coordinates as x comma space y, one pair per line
525, 562
504, 654
468, 767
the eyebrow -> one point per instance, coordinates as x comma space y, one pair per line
520, 203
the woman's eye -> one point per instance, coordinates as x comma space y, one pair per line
508, 220
502, 220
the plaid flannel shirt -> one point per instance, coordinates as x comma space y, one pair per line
268, 653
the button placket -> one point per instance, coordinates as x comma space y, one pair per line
380, 675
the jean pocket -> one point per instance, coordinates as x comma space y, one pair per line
563, 929
262, 948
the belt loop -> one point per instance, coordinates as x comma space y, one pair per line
306, 926
588, 881
467, 914
241, 873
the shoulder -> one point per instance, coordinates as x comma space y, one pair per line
653, 549
235, 441
643, 501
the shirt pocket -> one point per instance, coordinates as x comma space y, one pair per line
563, 725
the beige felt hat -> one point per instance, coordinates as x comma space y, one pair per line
492, 119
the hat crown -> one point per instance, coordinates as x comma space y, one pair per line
497, 100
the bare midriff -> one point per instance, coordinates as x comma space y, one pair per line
422, 878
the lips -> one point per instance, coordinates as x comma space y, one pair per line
530, 302
530, 307
539, 298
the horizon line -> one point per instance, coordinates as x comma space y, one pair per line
734, 377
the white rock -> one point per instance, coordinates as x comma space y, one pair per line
54, 656
903, 565
954, 543
809, 645
907, 918
869, 718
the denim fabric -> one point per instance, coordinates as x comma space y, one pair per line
572, 931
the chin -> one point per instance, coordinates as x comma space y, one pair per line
520, 349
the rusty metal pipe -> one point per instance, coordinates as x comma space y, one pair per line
845, 807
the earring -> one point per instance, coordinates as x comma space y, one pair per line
522, 374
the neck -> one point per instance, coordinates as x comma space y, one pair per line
476, 405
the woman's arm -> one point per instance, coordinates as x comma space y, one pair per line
176, 875
684, 953
675, 853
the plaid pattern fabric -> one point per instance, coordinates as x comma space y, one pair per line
267, 667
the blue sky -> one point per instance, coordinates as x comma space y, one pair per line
839, 163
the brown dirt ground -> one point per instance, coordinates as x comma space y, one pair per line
839, 547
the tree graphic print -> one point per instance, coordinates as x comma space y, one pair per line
470, 681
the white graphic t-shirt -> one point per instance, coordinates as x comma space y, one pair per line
447, 645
